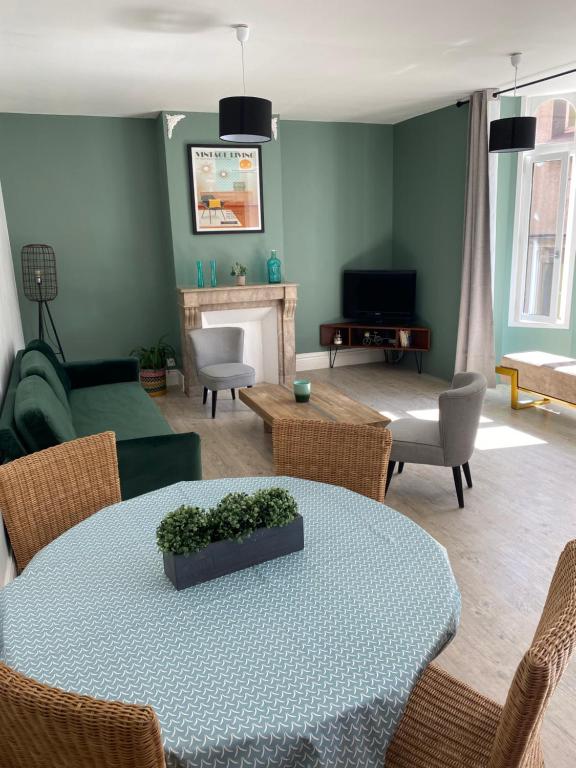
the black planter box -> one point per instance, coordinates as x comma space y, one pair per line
223, 557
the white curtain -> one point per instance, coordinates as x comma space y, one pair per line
475, 345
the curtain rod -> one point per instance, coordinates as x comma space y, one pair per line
461, 102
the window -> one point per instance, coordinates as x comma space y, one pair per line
541, 289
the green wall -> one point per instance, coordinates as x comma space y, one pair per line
89, 187
337, 181
112, 195
429, 185
247, 248
505, 205
507, 338
327, 205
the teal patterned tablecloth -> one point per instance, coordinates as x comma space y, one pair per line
303, 662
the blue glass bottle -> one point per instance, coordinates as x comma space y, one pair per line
200, 273
274, 268
213, 281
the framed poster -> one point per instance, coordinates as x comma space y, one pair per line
226, 188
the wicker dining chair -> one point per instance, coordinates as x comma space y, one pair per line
44, 494
447, 724
354, 456
44, 727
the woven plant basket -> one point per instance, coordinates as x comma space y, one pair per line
154, 382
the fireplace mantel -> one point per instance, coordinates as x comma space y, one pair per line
192, 302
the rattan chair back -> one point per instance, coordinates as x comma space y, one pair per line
43, 727
539, 671
353, 456
44, 494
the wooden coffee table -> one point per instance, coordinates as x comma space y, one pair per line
276, 401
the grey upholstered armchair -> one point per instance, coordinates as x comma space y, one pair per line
217, 355
448, 442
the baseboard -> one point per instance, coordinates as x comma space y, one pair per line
309, 361
9, 573
175, 378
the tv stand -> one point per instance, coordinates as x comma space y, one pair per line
375, 336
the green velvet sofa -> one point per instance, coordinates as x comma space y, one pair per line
48, 402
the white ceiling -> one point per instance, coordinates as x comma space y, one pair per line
363, 61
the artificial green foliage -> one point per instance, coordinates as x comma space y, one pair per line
154, 357
236, 516
183, 531
274, 507
238, 270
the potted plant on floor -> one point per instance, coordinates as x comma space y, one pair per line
153, 366
239, 272
240, 531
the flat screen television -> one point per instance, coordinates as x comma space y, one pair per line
379, 295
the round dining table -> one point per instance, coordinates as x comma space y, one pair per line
306, 661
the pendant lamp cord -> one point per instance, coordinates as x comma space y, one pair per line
243, 69
515, 77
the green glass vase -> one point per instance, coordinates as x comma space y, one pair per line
199, 274
274, 268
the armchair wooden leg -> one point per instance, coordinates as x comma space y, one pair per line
458, 483
214, 399
391, 465
400, 467
205, 395
233, 394
467, 474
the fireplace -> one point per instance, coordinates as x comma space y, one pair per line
265, 311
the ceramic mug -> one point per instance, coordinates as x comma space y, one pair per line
302, 389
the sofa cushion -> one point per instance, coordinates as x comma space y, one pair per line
46, 349
34, 363
41, 419
123, 408
11, 443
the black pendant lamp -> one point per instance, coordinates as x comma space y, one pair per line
513, 134
245, 119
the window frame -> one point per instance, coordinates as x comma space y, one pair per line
561, 304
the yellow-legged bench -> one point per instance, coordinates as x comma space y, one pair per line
541, 374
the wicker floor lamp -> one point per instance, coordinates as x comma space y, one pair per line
41, 285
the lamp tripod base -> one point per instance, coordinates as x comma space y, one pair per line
43, 306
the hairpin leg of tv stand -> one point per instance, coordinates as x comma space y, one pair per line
332, 351
418, 356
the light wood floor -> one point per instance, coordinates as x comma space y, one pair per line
503, 546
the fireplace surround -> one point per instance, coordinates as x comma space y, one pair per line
193, 302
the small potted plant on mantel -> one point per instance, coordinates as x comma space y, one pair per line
240, 531
153, 366
239, 272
